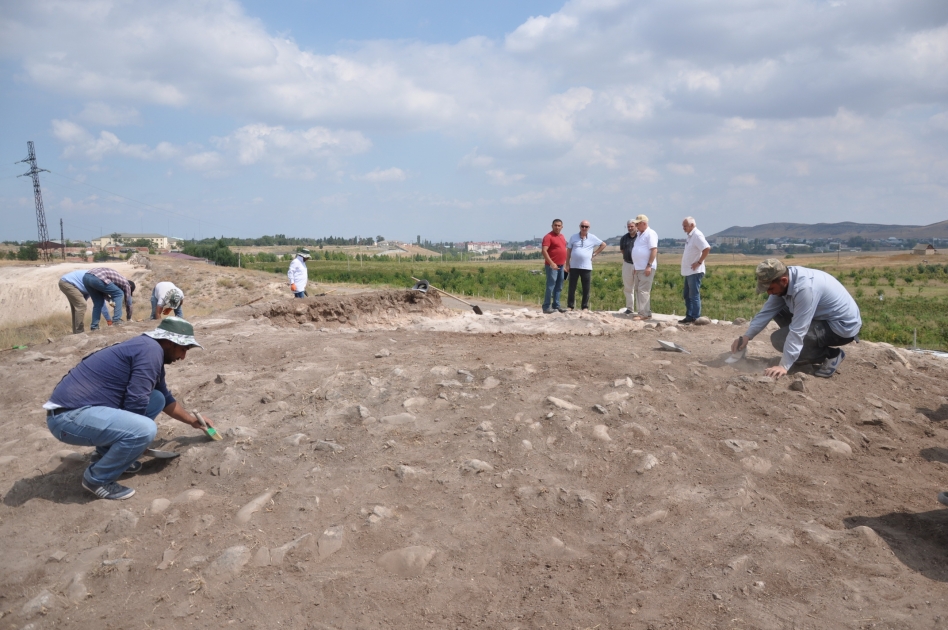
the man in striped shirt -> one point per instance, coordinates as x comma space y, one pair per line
102, 283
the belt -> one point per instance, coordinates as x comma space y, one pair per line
55, 412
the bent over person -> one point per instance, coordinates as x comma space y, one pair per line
815, 313
111, 399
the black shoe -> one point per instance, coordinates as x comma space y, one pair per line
561, 309
687, 320
548, 311
112, 490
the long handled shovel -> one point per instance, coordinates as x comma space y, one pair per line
477, 309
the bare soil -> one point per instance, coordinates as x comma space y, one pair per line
391, 462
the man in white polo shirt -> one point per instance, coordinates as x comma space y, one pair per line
644, 255
692, 268
580, 251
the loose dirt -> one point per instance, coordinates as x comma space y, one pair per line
390, 462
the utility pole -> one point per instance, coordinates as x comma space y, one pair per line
62, 239
37, 198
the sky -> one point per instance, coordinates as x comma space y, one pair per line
475, 121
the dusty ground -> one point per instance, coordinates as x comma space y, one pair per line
419, 466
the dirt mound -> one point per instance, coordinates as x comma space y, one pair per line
366, 308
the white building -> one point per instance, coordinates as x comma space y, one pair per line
483, 248
158, 241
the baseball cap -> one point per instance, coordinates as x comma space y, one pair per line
641, 219
767, 272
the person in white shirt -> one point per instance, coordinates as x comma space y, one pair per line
692, 268
298, 274
580, 251
644, 254
166, 298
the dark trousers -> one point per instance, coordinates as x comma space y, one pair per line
585, 275
819, 342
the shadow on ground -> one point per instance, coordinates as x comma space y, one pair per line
935, 415
935, 454
919, 541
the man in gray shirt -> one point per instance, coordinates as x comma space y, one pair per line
815, 313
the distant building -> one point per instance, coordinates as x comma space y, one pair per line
159, 241
924, 249
730, 240
483, 248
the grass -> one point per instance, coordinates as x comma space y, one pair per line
38, 332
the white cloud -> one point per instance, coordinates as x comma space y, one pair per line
541, 30
501, 178
204, 161
680, 169
745, 179
105, 115
384, 176
80, 143
476, 160
939, 121
257, 142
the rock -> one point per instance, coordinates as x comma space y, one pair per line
654, 517
798, 386
277, 555
407, 472
188, 496
613, 397
487, 425
408, 562
229, 563
702, 321
262, 557
383, 512
601, 432
39, 604
384, 352
562, 404
220, 380
6, 459
159, 505
647, 462
399, 419
240, 432
330, 541
123, 522
600, 409
637, 429
415, 402
894, 355
57, 556
266, 399
527, 444
246, 512
739, 446
836, 447
467, 375
76, 591
557, 549
490, 382
756, 464
323, 445
167, 559
363, 412
731, 389
476, 466
740, 321
283, 405
295, 439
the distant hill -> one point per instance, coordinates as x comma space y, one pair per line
843, 230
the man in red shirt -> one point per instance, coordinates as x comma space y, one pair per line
554, 253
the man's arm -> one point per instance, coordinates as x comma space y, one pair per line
652, 253
546, 256
599, 249
178, 412
701, 259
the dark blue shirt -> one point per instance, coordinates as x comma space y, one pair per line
120, 376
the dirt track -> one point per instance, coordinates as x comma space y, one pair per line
426, 467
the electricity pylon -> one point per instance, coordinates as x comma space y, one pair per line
38, 198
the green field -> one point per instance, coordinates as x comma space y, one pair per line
915, 297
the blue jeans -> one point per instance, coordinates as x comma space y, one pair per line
118, 436
299, 294
692, 293
154, 309
99, 291
554, 286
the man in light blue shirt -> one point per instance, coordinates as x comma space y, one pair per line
72, 287
815, 313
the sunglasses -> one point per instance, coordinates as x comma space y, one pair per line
583, 227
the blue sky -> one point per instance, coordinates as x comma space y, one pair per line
471, 121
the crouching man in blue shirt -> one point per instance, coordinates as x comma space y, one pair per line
111, 399
815, 313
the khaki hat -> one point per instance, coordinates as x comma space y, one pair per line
767, 272
175, 330
641, 219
